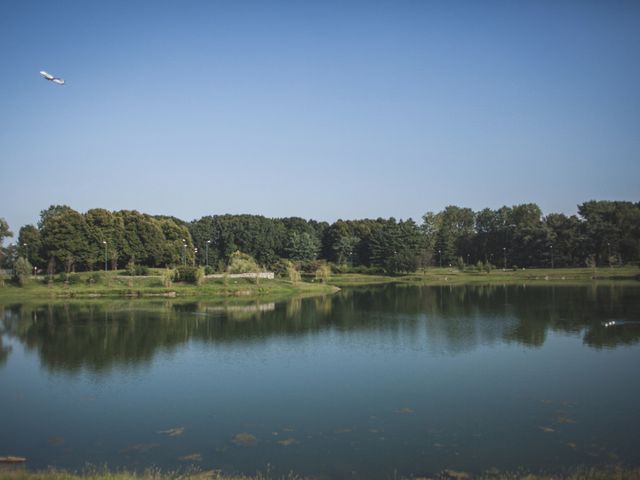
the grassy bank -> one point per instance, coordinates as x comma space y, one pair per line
447, 276
581, 473
113, 284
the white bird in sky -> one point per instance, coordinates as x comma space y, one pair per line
51, 78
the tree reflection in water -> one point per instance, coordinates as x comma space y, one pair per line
100, 335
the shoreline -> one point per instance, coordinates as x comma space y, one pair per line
616, 472
116, 286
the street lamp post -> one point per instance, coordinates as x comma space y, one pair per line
440, 255
551, 247
609, 253
105, 255
207, 251
184, 252
504, 255
195, 255
467, 259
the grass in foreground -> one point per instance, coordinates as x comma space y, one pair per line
580, 473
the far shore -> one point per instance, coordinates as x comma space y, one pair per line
117, 285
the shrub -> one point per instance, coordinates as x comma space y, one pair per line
97, 277
323, 273
134, 270
242, 263
73, 278
188, 274
293, 273
460, 264
208, 270
281, 268
167, 277
22, 271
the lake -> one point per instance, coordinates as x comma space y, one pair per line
372, 382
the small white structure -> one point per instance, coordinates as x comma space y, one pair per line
265, 275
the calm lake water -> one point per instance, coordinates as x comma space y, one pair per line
367, 383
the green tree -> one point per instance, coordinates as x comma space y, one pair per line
30, 245
22, 271
4, 233
64, 236
303, 247
242, 263
396, 246
455, 231
323, 272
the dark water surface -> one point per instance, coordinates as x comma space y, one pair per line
369, 382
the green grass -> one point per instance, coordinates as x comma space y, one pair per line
579, 473
446, 276
114, 284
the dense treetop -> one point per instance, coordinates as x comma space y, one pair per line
601, 233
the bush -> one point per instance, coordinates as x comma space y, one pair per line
460, 264
361, 269
323, 273
134, 270
292, 272
188, 274
71, 278
242, 263
22, 271
97, 277
208, 270
281, 268
167, 277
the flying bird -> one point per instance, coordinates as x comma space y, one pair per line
51, 78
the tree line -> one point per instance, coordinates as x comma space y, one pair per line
64, 240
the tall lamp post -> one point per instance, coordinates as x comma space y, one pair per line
105, 255
504, 257
207, 251
440, 255
184, 251
551, 247
195, 256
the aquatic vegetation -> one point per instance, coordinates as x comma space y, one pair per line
546, 429
172, 432
244, 439
193, 457
405, 410
456, 475
562, 418
287, 442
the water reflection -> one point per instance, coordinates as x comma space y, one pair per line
98, 335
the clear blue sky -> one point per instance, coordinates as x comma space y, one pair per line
319, 109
